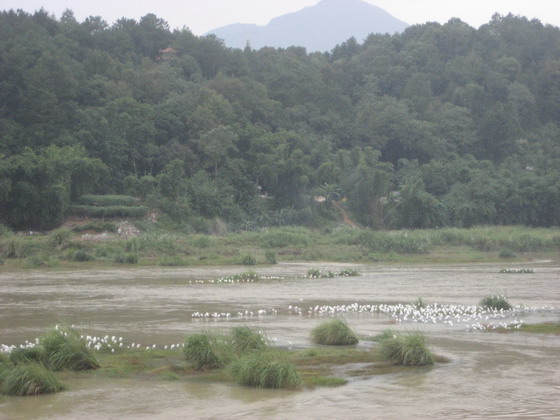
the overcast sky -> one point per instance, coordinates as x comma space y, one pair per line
203, 15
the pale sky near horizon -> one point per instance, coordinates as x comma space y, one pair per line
201, 16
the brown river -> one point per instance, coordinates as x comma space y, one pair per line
490, 375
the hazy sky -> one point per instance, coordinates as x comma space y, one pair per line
203, 15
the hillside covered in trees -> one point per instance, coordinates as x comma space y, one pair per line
442, 125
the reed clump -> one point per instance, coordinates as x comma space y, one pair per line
208, 351
334, 333
261, 370
496, 302
246, 340
29, 379
26, 355
64, 349
405, 349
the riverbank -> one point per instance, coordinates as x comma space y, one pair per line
102, 246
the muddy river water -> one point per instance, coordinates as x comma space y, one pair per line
491, 375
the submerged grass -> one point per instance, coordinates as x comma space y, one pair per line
542, 328
334, 333
406, 349
29, 379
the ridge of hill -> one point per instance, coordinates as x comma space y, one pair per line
317, 28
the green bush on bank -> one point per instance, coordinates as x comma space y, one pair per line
107, 200
108, 211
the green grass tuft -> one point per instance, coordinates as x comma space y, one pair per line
29, 379
497, 302
406, 350
64, 349
246, 340
206, 350
260, 370
34, 354
334, 333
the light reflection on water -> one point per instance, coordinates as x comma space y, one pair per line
490, 376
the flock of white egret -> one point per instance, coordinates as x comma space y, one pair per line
472, 317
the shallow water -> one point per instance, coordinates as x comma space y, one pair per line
490, 375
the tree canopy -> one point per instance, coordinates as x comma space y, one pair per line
440, 125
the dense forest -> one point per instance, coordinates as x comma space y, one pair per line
442, 125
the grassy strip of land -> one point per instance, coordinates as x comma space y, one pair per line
155, 246
541, 328
316, 366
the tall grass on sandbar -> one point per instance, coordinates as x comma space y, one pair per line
496, 302
64, 349
209, 351
260, 370
29, 379
334, 333
246, 340
406, 349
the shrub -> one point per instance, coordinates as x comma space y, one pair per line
334, 333
66, 350
201, 242
401, 242
29, 379
109, 211
81, 256
35, 261
406, 350
173, 262
4, 230
106, 200
206, 350
248, 260
282, 239
507, 253
245, 340
15, 248
96, 227
261, 371
126, 259
497, 302
271, 257
59, 238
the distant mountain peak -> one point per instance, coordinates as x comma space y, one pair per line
318, 28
